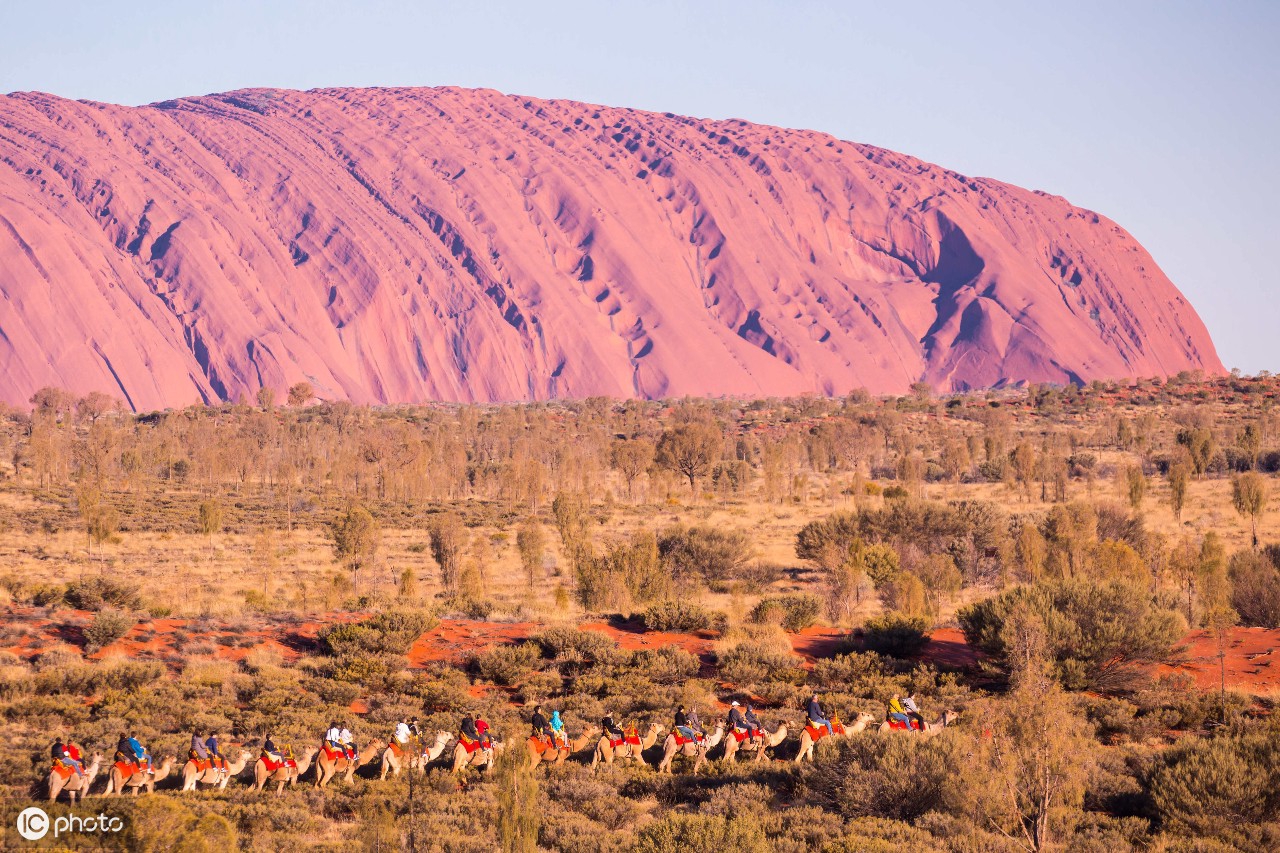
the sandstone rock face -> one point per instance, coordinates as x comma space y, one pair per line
401, 245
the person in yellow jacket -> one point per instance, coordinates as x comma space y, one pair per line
897, 712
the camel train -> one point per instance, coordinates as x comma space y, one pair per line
327, 763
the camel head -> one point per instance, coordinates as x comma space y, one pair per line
864, 719
948, 718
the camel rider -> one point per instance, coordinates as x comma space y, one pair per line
753, 722
348, 742
682, 724
896, 712
413, 728
130, 750
611, 729
199, 752
216, 753
482, 729
817, 717
62, 752
695, 725
333, 738
403, 735
467, 730
557, 728
541, 728
736, 722
270, 751
913, 710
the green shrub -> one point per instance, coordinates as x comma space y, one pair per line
709, 553
574, 644
1101, 634
392, 632
896, 635
677, 833
506, 665
107, 627
1214, 787
751, 662
683, 617
862, 674
792, 612
100, 592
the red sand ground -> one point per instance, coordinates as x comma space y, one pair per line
1249, 655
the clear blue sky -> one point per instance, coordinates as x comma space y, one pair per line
1161, 114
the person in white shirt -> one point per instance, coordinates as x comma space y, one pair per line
913, 710
333, 737
348, 742
403, 735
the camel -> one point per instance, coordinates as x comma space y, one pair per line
696, 751
420, 758
930, 729
479, 758
625, 751
756, 745
557, 756
74, 784
282, 775
327, 768
192, 778
117, 781
806, 740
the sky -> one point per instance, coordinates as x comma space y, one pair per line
1160, 114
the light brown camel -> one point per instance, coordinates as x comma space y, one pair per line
606, 753
696, 751
117, 781
327, 768
756, 746
191, 778
419, 757
930, 729
479, 758
282, 775
75, 784
806, 740
558, 756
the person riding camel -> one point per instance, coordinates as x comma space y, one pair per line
753, 722
736, 723
695, 725
348, 742
541, 728
215, 753
130, 751
413, 728
611, 729
199, 752
681, 724
557, 728
482, 729
403, 734
817, 717
467, 729
333, 738
64, 752
896, 712
913, 710
270, 752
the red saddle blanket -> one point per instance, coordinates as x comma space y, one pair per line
817, 733
468, 744
898, 725
272, 766
681, 740
203, 764
127, 768
334, 754
541, 744
740, 734
62, 769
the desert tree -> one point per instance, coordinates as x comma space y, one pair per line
631, 457
210, 518
448, 544
531, 543
300, 393
1249, 497
356, 537
1200, 445
95, 405
518, 805
1135, 485
1249, 443
690, 450
1179, 475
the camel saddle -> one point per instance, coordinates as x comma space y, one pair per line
468, 744
128, 768
744, 734
272, 765
398, 749
63, 769
899, 726
335, 754
681, 740
817, 733
541, 744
